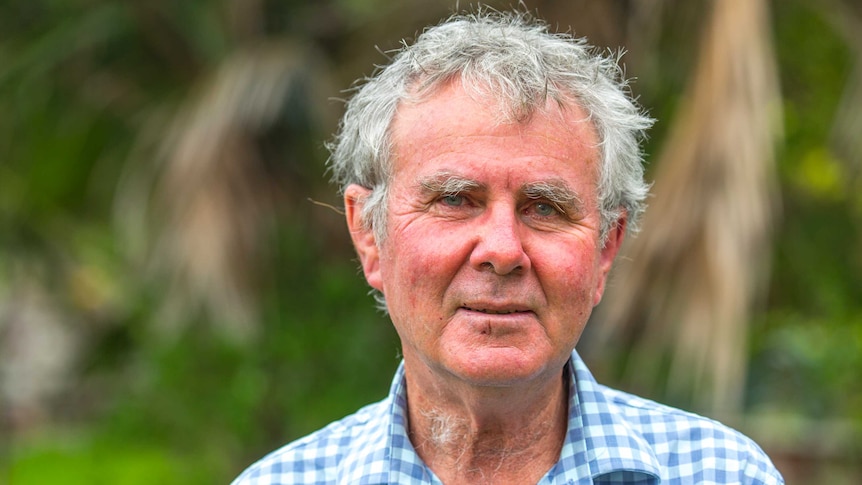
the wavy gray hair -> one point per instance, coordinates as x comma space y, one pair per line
516, 60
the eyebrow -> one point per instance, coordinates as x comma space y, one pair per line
448, 183
556, 192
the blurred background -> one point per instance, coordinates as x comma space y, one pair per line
178, 295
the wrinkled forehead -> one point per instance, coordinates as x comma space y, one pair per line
457, 108
454, 127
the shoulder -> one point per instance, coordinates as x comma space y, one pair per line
693, 448
327, 455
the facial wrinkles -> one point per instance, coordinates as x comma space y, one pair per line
554, 191
445, 145
462, 148
559, 195
485, 289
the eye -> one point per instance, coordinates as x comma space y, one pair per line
544, 209
453, 200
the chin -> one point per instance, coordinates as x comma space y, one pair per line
503, 367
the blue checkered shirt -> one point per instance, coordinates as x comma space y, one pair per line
613, 438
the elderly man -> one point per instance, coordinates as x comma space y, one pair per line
490, 173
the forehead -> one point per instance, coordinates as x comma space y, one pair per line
454, 126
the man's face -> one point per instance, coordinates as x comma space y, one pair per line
492, 261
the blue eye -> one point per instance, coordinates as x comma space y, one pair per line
453, 200
544, 209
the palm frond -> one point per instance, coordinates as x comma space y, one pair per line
846, 142
208, 199
699, 265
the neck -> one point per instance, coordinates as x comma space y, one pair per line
490, 436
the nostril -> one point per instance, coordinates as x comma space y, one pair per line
501, 269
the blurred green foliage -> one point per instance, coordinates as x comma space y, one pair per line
79, 79
807, 348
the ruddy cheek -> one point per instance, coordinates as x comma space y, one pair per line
574, 282
422, 275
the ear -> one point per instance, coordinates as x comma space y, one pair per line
362, 234
608, 253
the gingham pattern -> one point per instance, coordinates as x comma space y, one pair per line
613, 438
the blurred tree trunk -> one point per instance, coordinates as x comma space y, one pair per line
846, 15
204, 186
681, 299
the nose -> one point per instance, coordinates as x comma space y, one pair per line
499, 246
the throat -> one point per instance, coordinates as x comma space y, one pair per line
461, 449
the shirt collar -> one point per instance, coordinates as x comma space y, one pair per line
405, 466
598, 441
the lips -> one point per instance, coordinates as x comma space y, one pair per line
492, 311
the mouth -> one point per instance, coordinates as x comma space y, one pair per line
495, 311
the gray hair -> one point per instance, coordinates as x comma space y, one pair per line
514, 59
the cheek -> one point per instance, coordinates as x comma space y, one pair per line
569, 275
570, 294
415, 282
416, 267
